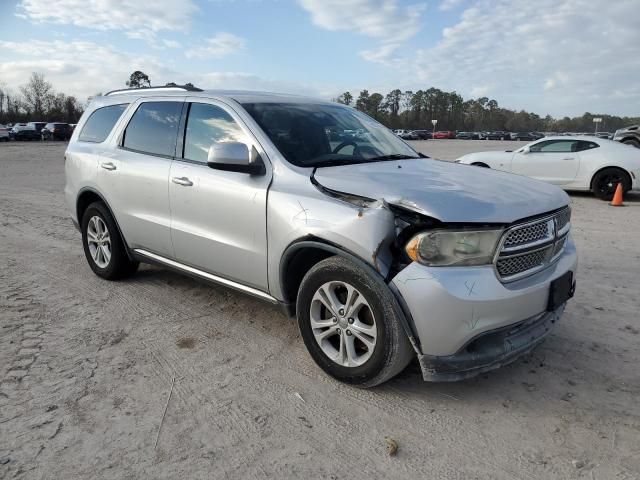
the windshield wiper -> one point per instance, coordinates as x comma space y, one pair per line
391, 156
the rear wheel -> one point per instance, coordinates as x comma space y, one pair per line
605, 182
104, 249
350, 323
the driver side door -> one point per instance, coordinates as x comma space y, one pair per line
552, 161
218, 218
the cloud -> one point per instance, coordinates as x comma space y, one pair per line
562, 58
218, 46
140, 19
76, 67
85, 68
383, 20
449, 4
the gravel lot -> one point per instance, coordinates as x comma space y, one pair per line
87, 366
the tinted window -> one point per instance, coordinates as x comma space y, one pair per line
584, 145
153, 128
555, 146
206, 125
100, 123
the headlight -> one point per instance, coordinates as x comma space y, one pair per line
441, 248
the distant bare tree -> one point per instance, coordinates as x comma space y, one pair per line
36, 94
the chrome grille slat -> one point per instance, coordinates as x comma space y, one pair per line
528, 248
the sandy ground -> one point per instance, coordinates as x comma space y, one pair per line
87, 366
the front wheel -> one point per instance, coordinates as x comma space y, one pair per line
606, 181
350, 323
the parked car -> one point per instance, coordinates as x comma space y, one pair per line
56, 131
24, 132
573, 163
498, 135
409, 135
381, 253
468, 136
444, 134
605, 135
422, 134
629, 135
523, 136
37, 125
4, 133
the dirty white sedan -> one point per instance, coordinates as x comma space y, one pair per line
573, 163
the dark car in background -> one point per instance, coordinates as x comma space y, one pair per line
22, 131
499, 135
56, 131
408, 135
468, 136
423, 134
528, 136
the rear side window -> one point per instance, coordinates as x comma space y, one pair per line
153, 128
584, 145
100, 123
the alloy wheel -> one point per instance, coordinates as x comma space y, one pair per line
343, 324
99, 241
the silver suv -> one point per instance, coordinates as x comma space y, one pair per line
381, 253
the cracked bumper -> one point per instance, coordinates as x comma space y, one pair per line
453, 307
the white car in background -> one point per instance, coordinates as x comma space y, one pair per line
4, 133
573, 163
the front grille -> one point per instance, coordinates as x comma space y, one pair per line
530, 247
527, 234
510, 266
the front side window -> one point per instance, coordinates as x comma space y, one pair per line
318, 135
100, 123
206, 125
555, 146
153, 128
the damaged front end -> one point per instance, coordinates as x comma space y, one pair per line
461, 319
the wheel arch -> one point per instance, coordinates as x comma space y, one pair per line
594, 174
294, 265
86, 197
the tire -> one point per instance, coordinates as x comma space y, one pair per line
604, 182
633, 142
109, 259
389, 349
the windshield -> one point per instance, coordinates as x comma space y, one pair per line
320, 135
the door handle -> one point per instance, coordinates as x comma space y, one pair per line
184, 181
569, 158
108, 166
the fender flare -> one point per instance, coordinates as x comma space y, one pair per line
404, 313
103, 200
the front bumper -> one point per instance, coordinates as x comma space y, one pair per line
466, 321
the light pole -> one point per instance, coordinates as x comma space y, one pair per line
597, 120
433, 122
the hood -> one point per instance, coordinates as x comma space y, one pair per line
490, 155
446, 191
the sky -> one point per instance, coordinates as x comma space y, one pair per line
554, 57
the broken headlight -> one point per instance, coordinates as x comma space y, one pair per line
441, 248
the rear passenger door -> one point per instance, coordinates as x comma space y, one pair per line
218, 218
138, 170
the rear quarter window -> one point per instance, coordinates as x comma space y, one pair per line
100, 123
153, 129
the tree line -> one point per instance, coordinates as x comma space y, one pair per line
37, 101
415, 110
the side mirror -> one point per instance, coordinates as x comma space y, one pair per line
235, 157
525, 150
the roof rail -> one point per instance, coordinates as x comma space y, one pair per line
185, 88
